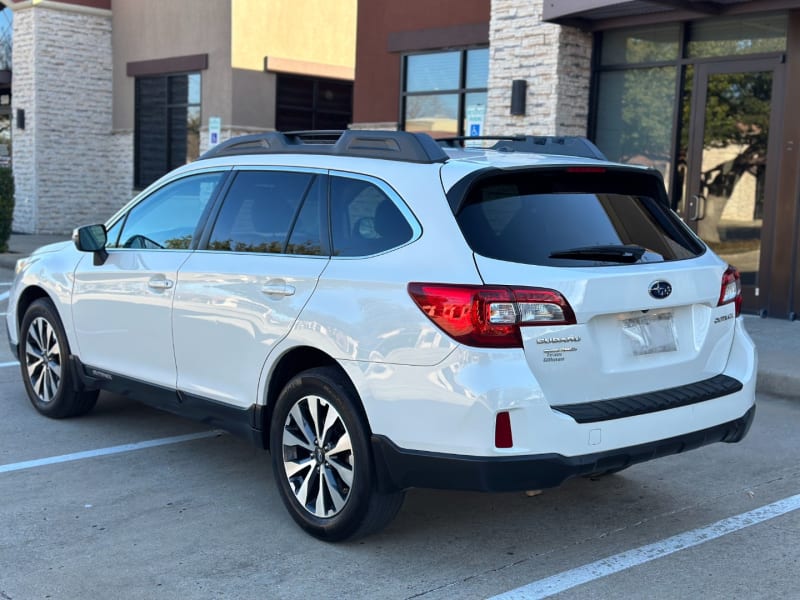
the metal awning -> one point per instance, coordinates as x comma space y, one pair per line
601, 14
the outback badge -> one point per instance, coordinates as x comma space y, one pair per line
660, 289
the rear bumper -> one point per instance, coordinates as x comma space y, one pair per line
398, 468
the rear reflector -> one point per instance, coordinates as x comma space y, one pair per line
502, 431
490, 316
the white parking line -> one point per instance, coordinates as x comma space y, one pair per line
4, 296
5, 284
40, 462
619, 562
13, 363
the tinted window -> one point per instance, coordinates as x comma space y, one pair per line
263, 207
571, 219
364, 220
168, 217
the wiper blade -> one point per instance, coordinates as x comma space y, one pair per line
608, 253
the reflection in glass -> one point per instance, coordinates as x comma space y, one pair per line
477, 68
432, 72
640, 44
735, 36
194, 88
634, 116
733, 167
436, 114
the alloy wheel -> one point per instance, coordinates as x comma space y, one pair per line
318, 456
43, 359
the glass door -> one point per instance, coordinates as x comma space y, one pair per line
732, 166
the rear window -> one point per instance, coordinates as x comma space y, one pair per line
572, 218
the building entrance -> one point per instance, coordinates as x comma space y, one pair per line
731, 166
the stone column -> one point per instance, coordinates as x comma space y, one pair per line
555, 62
68, 168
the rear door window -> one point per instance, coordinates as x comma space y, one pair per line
273, 212
573, 218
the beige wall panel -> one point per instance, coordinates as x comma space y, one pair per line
315, 31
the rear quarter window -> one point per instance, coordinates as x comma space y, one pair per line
562, 218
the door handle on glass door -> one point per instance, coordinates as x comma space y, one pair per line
697, 207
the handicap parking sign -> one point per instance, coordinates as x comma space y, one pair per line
474, 129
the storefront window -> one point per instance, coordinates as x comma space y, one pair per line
731, 37
167, 125
640, 45
445, 92
637, 106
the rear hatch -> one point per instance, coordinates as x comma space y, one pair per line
645, 292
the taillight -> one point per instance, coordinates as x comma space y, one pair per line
490, 316
731, 289
502, 431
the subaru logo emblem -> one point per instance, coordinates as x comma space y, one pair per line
660, 289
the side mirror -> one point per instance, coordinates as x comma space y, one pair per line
92, 238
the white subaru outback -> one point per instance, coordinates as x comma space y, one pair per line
383, 311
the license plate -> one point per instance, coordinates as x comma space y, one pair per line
650, 333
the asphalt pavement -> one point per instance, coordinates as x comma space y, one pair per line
777, 340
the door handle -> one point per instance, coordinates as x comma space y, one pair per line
278, 289
160, 283
697, 207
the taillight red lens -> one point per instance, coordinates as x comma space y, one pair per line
731, 289
489, 316
502, 431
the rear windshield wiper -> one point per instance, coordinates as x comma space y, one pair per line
609, 253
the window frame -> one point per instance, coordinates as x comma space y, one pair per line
461, 91
167, 107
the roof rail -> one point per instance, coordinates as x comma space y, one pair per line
568, 145
389, 145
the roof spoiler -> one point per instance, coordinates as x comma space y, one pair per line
568, 145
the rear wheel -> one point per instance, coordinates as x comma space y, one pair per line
322, 459
44, 362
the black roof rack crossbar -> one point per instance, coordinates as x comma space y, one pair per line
566, 145
390, 145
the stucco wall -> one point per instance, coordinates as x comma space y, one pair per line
158, 29
322, 32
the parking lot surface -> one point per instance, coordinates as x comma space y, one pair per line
130, 502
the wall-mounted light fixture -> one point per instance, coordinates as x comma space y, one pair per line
519, 88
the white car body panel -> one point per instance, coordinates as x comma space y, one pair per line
230, 311
122, 313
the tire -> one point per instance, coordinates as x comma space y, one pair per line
44, 363
327, 481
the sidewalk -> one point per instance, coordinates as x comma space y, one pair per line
778, 340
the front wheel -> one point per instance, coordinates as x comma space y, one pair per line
44, 362
322, 460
